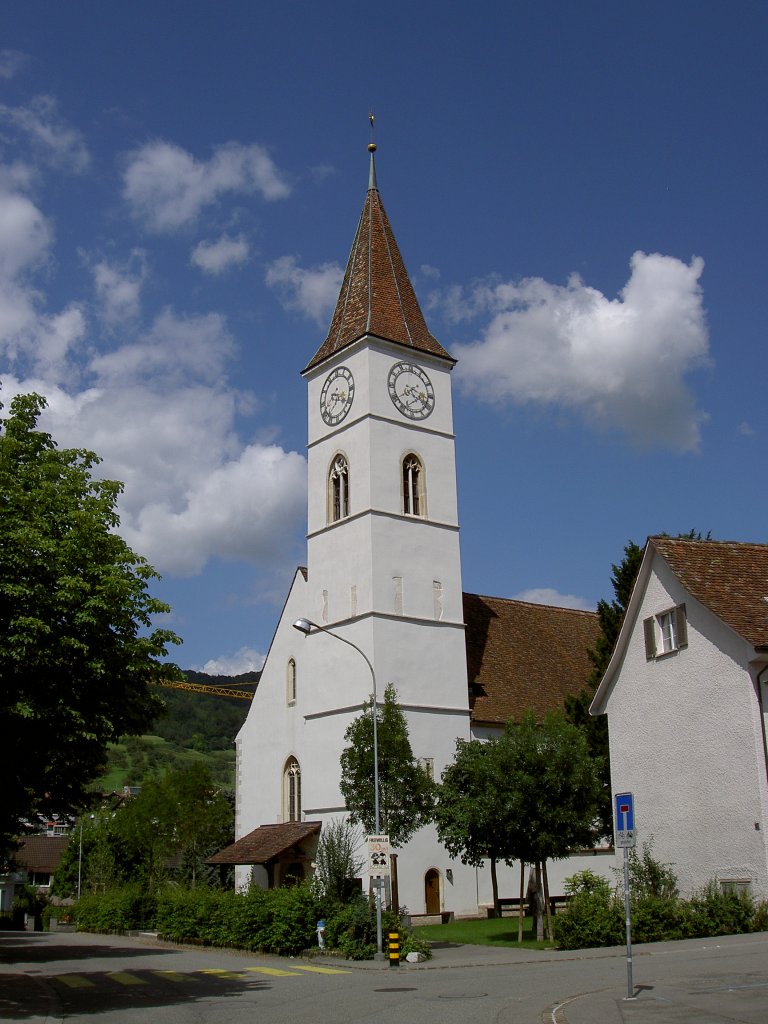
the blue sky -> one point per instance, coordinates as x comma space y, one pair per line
578, 191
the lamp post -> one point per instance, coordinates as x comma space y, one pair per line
80, 857
80, 861
306, 626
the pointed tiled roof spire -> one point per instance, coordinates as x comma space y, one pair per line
377, 296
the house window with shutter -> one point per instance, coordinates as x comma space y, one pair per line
666, 632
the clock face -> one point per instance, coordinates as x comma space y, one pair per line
336, 396
411, 390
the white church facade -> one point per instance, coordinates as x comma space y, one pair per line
383, 572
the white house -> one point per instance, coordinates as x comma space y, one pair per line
384, 573
685, 694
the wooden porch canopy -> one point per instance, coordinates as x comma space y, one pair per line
268, 843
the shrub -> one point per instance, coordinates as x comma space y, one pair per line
658, 919
593, 917
116, 910
590, 919
272, 921
711, 911
351, 931
759, 922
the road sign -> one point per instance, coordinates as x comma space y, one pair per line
378, 856
624, 815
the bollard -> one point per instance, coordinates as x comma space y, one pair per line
394, 949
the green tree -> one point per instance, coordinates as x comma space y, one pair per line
595, 728
166, 832
78, 649
338, 860
405, 789
530, 795
473, 806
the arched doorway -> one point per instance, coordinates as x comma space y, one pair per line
432, 891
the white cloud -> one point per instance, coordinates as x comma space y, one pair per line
312, 292
40, 342
548, 596
167, 187
216, 257
237, 511
157, 408
246, 659
746, 429
118, 288
11, 61
161, 415
56, 140
621, 363
25, 234
175, 350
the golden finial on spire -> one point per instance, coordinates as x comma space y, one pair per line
371, 144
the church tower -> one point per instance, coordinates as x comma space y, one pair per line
383, 535
383, 573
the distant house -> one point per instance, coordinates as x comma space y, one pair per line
36, 861
686, 694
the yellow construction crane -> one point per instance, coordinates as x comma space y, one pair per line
214, 691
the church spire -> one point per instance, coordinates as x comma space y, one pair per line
377, 296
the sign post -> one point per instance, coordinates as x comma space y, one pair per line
378, 870
626, 838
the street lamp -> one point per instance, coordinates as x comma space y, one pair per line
306, 627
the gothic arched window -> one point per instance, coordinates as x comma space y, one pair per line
292, 790
338, 489
414, 503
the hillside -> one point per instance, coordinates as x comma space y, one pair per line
195, 727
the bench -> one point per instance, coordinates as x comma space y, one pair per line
513, 903
443, 917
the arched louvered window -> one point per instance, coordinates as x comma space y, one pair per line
414, 503
292, 790
338, 489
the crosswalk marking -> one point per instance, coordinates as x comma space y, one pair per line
321, 970
74, 980
276, 971
124, 978
174, 976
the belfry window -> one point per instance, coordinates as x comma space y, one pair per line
413, 486
292, 791
338, 490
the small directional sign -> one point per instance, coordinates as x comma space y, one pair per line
624, 815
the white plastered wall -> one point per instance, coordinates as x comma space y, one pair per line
686, 739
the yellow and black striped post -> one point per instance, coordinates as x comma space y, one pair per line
394, 949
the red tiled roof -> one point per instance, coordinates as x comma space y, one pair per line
377, 296
523, 656
41, 853
266, 843
729, 578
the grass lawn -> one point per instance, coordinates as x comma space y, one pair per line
500, 931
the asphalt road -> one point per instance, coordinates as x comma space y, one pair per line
53, 976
